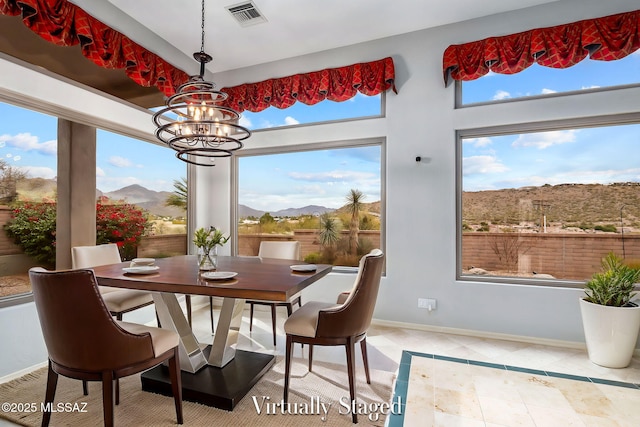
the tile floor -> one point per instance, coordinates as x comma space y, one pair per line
445, 391
386, 346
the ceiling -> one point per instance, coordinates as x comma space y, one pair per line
291, 28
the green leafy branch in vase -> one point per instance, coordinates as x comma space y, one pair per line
207, 239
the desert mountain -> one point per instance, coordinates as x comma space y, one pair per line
564, 203
246, 211
152, 201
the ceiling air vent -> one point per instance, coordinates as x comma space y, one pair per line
246, 14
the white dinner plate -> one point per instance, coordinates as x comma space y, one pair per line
219, 275
304, 267
143, 261
143, 269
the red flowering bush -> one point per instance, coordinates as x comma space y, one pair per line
33, 228
121, 223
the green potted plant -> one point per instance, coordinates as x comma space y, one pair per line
207, 242
610, 318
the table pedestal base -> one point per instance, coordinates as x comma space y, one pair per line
218, 387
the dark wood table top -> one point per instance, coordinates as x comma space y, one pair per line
257, 278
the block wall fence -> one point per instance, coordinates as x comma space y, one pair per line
564, 255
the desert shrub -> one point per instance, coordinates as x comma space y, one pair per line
609, 228
313, 258
364, 246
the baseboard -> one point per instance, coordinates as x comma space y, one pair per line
486, 334
12, 376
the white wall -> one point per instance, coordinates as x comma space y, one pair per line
421, 226
420, 216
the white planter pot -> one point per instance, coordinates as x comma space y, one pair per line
611, 333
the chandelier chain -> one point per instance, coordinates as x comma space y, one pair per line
196, 123
202, 28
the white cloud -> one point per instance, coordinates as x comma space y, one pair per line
289, 121
546, 91
28, 142
332, 177
591, 87
100, 171
244, 121
478, 142
544, 140
482, 164
120, 162
501, 94
38, 172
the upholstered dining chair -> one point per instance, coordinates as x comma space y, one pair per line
281, 250
319, 323
118, 301
85, 342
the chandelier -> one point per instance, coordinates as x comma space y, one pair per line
195, 123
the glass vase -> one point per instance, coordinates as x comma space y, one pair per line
208, 260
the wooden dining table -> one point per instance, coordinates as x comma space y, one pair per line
217, 374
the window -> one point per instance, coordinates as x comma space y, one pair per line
548, 205
543, 81
307, 196
360, 106
28, 169
151, 178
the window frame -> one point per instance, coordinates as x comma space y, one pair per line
353, 143
514, 129
10, 98
383, 112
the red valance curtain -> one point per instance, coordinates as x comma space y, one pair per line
65, 24
604, 39
335, 84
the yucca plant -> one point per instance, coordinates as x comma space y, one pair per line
614, 285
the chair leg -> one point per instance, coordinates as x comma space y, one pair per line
310, 356
117, 387
187, 299
273, 322
213, 331
107, 398
176, 384
287, 367
351, 371
52, 382
85, 388
250, 316
365, 358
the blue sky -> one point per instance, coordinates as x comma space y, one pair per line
28, 141
323, 178
583, 156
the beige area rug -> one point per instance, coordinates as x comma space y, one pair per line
327, 384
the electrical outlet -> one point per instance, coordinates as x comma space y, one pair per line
428, 303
